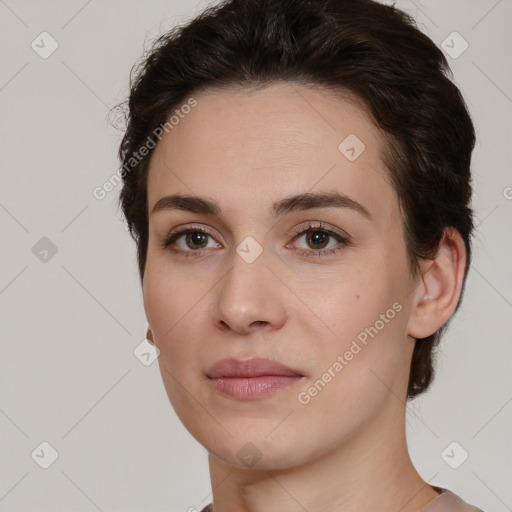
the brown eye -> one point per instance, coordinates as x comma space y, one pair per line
196, 239
188, 242
317, 238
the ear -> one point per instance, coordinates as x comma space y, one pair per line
436, 296
149, 336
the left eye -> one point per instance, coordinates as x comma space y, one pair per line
316, 238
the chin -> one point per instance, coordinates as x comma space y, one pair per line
259, 453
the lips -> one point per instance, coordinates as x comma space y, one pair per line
255, 367
252, 379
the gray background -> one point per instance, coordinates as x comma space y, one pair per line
70, 323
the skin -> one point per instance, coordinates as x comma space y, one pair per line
346, 449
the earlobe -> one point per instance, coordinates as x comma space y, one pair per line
438, 293
149, 336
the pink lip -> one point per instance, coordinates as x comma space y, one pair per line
254, 367
252, 378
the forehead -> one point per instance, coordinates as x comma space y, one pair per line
247, 148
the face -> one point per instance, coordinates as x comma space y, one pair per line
319, 285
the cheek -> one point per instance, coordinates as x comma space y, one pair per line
168, 296
353, 299
353, 378
365, 344
170, 304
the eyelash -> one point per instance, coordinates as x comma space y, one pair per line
343, 240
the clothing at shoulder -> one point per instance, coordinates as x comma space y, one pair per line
447, 501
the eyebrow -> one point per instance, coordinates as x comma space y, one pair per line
305, 201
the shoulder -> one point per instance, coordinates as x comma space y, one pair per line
447, 501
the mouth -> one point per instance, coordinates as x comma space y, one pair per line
253, 378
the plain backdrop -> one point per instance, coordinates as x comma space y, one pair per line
70, 300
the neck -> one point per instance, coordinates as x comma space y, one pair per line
358, 474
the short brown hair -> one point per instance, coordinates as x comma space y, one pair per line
372, 50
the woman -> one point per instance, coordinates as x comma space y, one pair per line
297, 180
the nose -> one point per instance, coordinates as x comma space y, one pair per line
250, 297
